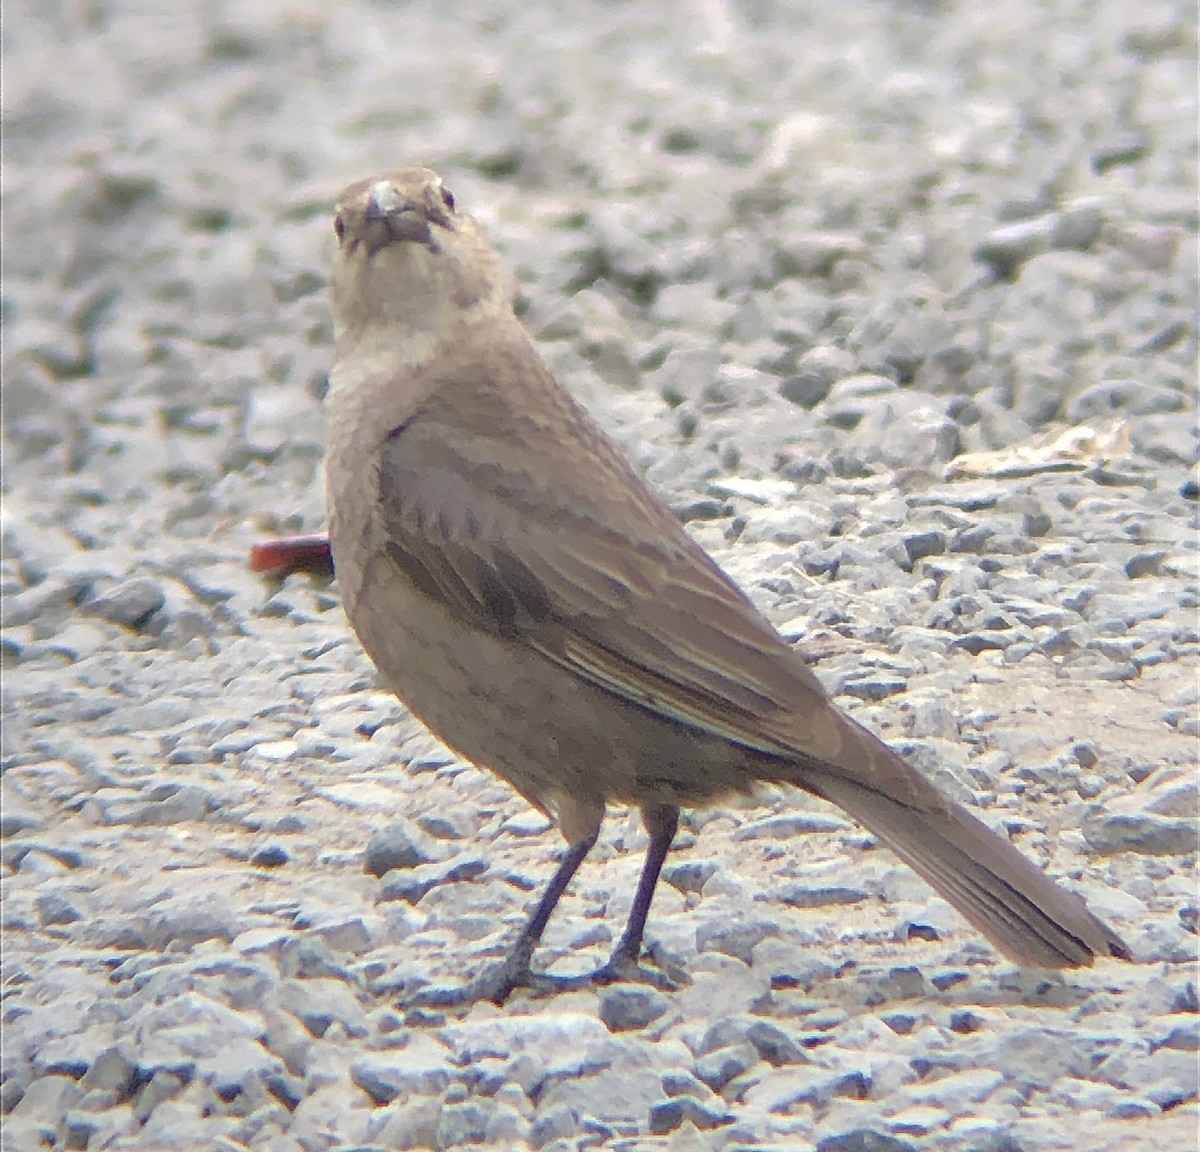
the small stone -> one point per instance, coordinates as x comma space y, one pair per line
904, 983
554, 1124
683, 1084
806, 388
785, 827
1078, 225
121, 933
47, 1098
55, 592
972, 540
806, 254
188, 924
1183, 1038
286, 1088
111, 1071
774, 1045
12, 1089
507, 1126
341, 933
464, 1123
669, 1115
965, 1022
1118, 151
1136, 1110
163, 1085
915, 930
130, 604
387, 1076
853, 1086
1150, 835
718, 1068
78, 1128
1119, 672
412, 885
869, 684
976, 642
1144, 564
528, 823
822, 562
800, 896
626, 1009
1100, 400
167, 804
804, 472
1186, 999
398, 845
725, 1033
852, 397
441, 826
918, 545
706, 508
864, 1140
690, 876
1156, 250
13, 820
55, 909
755, 491
1005, 249
944, 980
737, 940
1035, 522
270, 856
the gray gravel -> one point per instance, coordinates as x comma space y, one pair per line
894, 302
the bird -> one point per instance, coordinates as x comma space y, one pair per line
546, 616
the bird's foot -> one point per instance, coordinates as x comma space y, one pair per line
619, 969
503, 979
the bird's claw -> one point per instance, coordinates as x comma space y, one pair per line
501, 981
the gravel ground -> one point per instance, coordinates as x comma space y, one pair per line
895, 301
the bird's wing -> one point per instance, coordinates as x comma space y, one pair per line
559, 546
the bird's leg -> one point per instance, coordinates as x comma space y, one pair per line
520, 955
514, 970
661, 824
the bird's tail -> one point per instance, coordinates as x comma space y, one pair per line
1011, 901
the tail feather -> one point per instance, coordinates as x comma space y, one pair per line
1011, 901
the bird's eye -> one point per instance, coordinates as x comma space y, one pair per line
448, 198
339, 227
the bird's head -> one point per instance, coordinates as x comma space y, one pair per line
409, 262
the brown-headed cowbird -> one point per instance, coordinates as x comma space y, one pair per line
547, 617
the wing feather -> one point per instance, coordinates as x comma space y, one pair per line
645, 615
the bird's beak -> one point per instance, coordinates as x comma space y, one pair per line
393, 218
